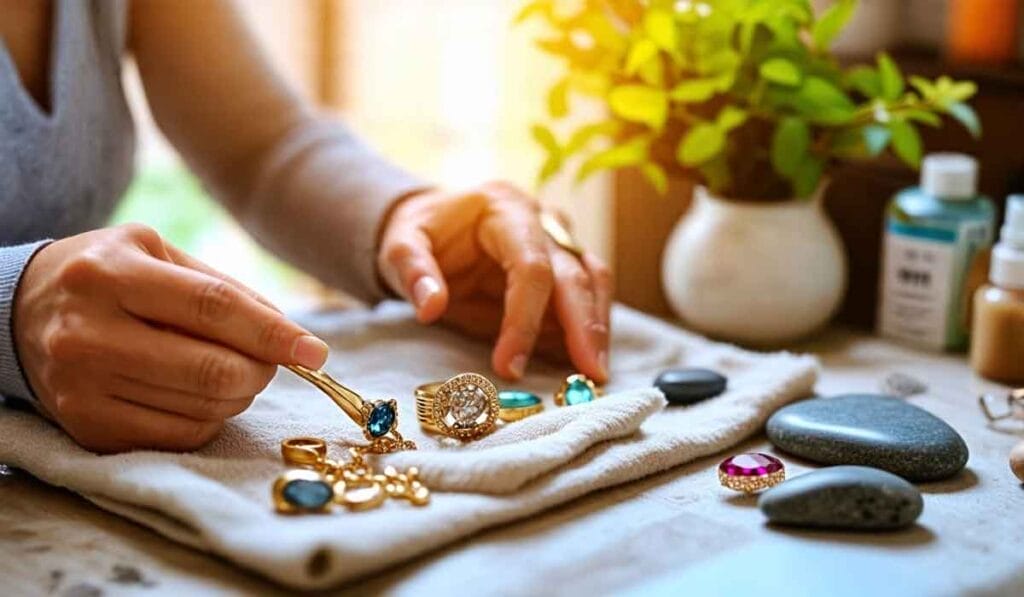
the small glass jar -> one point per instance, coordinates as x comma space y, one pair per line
997, 341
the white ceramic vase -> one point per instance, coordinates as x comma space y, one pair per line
760, 274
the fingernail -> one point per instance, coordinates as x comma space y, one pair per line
602, 361
423, 289
518, 365
310, 352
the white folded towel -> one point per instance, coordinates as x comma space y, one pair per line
218, 499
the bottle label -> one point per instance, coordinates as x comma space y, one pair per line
923, 274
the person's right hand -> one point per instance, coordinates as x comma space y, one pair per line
130, 343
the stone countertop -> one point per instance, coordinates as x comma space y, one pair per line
670, 533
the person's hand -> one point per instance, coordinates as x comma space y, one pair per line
130, 343
480, 261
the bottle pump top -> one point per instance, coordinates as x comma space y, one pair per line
1008, 255
949, 175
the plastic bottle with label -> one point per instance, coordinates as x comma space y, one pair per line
933, 234
997, 344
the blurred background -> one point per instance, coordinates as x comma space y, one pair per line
449, 89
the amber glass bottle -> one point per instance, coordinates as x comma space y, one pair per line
997, 341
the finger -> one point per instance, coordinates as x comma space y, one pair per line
408, 265
210, 308
184, 259
168, 359
603, 290
510, 233
479, 319
586, 335
108, 424
192, 406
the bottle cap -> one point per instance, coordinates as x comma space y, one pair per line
1008, 256
949, 175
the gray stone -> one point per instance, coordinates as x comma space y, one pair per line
844, 497
870, 430
689, 386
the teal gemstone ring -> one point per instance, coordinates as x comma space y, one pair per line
576, 389
515, 405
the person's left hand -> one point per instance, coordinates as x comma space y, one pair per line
479, 261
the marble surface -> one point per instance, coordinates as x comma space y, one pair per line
871, 430
673, 533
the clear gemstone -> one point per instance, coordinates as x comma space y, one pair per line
468, 402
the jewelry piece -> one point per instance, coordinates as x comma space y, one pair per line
576, 389
465, 407
1014, 408
377, 419
515, 405
902, 385
355, 485
557, 232
750, 473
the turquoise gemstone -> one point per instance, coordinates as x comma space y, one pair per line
307, 495
517, 399
578, 392
382, 417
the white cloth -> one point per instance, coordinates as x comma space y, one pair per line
218, 499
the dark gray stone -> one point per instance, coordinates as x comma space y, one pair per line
870, 430
844, 497
689, 386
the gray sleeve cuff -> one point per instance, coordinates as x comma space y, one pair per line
12, 263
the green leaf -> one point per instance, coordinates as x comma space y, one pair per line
822, 102
890, 76
807, 176
587, 133
660, 26
966, 116
629, 153
655, 175
531, 9
876, 138
923, 116
865, 80
716, 173
700, 90
551, 166
701, 143
781, 71
730, 117
924, 87
545, 138
790, 143
558, 99
906, 142
640, 103
831, 22
641, 52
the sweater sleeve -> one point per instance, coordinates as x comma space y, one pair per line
12, 263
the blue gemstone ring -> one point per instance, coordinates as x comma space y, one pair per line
576, 389
378, 419
302, 491
516, 405
464, 407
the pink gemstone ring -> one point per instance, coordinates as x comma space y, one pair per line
750, 473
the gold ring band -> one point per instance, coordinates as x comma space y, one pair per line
306, 452
751, 484
464, 407
558, 233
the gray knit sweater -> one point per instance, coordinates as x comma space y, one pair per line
318, 202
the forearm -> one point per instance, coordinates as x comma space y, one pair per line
319, 202
13, 261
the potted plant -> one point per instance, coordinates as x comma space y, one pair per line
745, 97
